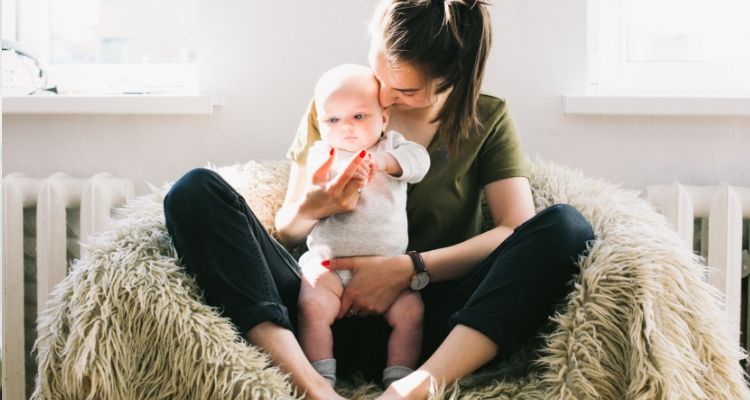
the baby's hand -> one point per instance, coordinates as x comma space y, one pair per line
375, 163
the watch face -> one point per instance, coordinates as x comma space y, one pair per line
419, 281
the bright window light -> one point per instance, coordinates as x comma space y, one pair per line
120, 31
113, 46
669, 46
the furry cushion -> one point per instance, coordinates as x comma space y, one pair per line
127, 323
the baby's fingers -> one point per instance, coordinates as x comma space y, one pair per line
363, 173
351, 171
373, 169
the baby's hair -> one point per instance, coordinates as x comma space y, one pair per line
345, 75
449, 40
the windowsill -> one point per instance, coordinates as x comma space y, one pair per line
598, 104
111, 104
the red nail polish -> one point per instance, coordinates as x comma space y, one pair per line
362, 153
325, 263
331, 153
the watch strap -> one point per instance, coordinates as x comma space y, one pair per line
417, 261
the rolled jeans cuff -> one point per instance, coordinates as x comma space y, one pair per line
253, 315
492, 326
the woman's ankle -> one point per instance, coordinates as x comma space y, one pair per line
320, 388
322, 392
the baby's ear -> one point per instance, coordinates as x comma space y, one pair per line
386, 116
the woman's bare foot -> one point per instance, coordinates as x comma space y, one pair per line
281, 344
416, 386
324, 392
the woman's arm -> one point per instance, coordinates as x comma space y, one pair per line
377, 281
511, 204
292, 222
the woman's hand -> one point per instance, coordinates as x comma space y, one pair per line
325, 197
312, 195
375, 285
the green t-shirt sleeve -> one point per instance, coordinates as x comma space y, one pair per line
307, 134
501, 155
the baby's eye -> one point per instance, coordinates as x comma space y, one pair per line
332, 120
359, 116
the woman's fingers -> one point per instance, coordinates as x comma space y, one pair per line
372, 289
346, 305
320, 176
353, 189
363, 313
341, 264
350, 171
341, 194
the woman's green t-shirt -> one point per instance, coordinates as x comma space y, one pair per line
445, 207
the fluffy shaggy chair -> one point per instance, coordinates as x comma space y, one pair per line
127, 323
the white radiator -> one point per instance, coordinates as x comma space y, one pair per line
54, 203
723, 208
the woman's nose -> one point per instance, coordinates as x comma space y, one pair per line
388, 96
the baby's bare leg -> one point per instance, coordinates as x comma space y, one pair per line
405, 316
319, 303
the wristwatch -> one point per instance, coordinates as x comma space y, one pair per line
421, 278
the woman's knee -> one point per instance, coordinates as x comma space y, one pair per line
190, 190
567, 227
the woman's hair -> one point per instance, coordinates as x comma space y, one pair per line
449, 41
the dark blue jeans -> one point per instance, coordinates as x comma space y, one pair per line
252, 278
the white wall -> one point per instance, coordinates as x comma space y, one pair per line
264, 57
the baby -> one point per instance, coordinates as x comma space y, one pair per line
351, 121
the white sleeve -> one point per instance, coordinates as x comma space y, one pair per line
412, 157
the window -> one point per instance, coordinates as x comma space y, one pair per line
694, 47
112, 46
9, 19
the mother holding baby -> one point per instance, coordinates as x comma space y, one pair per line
487, 292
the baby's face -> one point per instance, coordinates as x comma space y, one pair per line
351, 119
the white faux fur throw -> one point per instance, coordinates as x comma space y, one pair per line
127, 323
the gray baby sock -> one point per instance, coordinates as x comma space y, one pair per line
394, 373
327, 368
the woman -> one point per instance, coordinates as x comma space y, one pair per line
486, 292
